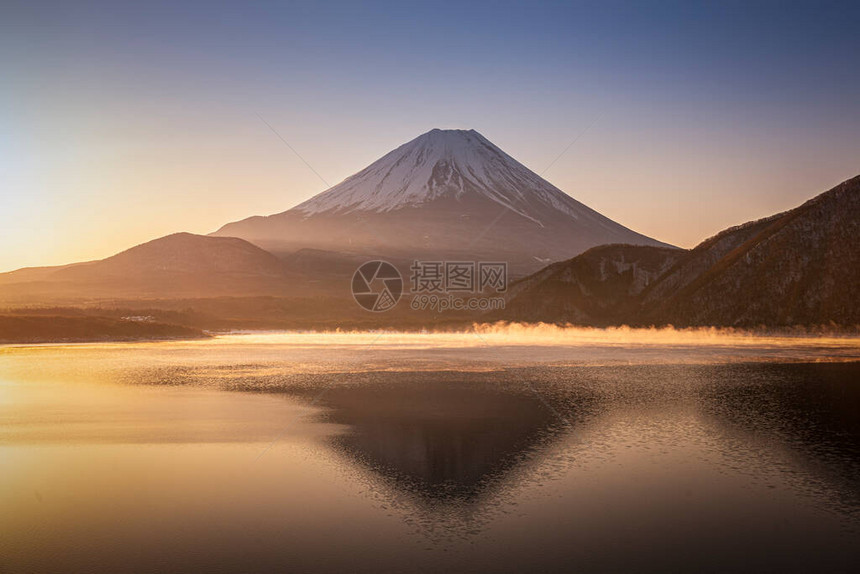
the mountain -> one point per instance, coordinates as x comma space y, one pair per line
797, 267
179, 265
447, 194
801, 267
598, 287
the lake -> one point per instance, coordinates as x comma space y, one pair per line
504, 450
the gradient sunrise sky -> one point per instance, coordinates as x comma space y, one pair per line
123, 122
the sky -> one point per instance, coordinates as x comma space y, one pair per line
124, 122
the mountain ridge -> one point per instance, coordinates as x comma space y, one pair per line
797, 267
175, 265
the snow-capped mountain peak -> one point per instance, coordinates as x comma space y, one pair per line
443, 164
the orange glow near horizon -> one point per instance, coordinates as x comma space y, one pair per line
78, 211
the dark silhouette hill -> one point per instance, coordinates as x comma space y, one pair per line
178, 265
599, 287
800, 267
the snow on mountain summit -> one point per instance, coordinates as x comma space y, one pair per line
443, 164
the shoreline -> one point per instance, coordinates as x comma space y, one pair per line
36, 329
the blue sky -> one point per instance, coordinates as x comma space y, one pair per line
124, 122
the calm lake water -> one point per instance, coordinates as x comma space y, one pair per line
502, 451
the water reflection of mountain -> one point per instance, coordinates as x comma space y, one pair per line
444, 436
451, 436
747, 464
809, 411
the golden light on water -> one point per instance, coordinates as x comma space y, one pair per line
501, 334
